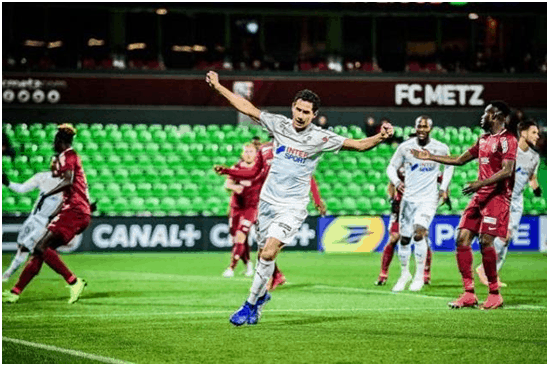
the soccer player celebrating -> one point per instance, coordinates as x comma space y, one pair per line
525, 172
259, 173
420, 199
244, 201
35, 225
298, 146
72, 220
487, 215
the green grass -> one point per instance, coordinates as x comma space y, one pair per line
174, 308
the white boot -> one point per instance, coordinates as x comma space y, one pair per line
228, 273
404, 252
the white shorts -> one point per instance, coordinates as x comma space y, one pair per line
414, 214
514, 219
32, 230
279, 222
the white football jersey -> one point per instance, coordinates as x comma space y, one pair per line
420, 177
45, 183
525, 167
296, 155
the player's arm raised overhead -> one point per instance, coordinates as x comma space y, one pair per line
369, 142
240, 103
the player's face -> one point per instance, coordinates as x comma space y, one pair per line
423, 130
57, 146
248, 154
488, 117
531, 135
302, 114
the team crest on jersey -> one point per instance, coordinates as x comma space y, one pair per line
504, 145
494, 148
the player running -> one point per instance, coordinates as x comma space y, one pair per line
487, 215
73, 219
420, 199
35, 225
298, 146
257, 176
243, 214
526, 169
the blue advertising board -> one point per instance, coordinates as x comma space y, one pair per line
369, 234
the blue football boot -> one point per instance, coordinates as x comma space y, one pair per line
241, 315
256, 311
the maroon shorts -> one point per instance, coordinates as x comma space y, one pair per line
242, 219
69, 223
487, 217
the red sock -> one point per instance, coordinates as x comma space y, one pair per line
386, 258
489, 261
52, 259
427, 271
464, 256
276, 271
238, 252
31, 269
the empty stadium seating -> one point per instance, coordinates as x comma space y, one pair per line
167, 170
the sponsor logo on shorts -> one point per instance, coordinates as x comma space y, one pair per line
490, 220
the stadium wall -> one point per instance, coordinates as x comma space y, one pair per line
329, 234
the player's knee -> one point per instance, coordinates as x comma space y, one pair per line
405, 240
486, 241
240, 237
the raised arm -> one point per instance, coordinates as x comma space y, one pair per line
369, 142
242, 173
240, 103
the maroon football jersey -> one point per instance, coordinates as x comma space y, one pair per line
76, 197
491, 151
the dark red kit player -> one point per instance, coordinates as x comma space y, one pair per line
487, 215
72, 220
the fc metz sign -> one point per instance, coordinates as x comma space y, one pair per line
272, 91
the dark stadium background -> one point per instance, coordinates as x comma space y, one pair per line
130, 77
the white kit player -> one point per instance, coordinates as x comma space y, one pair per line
34, 226
298, 146
420, 198
526, 168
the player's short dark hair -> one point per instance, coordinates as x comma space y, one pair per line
65, 133
501, 106
307, 95
256, 138
524, 125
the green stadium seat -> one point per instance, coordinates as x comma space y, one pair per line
128, 189
8, 204
84, 136
7, 163
364, 205
144, 189
339, 190
349, 204
21, 162
168, 204
174, 189
190, 190
106, 176
24, 204
38, 163
152, 204
112, 190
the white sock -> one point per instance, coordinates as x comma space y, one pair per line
18, 259
404, 252
420, 253
501, 250
263, 272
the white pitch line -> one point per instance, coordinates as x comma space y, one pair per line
71, 352
364, 290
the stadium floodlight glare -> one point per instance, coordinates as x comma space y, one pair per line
136, 46
473, 16
95, 42
33, 43
55, 44
252, 27
161, 11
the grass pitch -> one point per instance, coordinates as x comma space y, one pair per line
174, 308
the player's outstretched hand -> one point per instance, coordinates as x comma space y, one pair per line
471, 187
5, 180
212, 79
421, 154
386, 130
39, 204
401, 187
321, 208
219, 169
